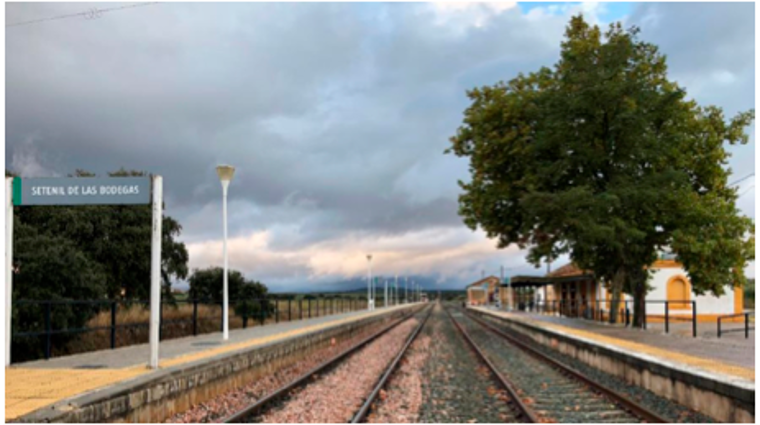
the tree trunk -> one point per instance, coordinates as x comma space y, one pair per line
639, 295
617, 289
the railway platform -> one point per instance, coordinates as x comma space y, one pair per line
702, 373
109, 384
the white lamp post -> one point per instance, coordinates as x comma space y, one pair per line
225, 173
406, 290
395, 302
385, 300
370, 301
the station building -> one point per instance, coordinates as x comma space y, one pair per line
485, 291
573, 292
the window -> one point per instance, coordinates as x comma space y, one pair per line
679, 289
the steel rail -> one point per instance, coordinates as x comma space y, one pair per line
526, 411
618, 398
364, 410
253, 409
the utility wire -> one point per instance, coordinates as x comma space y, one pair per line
746, 190
742, 179
93, 13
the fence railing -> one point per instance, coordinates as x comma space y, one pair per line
50, 325
597, 311
746, 327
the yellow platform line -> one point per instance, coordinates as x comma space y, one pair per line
27, 390
711, 365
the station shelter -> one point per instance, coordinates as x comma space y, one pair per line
485, 291
567, 290
573, 292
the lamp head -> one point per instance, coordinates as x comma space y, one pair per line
225, 172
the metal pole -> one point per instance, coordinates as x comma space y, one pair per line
225, 295
369, 282
160, 321
113, 325
746, 325
406, 290
385, 300
397, 300
694, 319
195, 317
8, 266
48, 330
667, 318
155, 270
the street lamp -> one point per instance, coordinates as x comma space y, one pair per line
370, 301
225, 173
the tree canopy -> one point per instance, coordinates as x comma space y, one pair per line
115, 237
605, 159
85, 253
247, 296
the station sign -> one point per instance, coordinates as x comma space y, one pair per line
81, 191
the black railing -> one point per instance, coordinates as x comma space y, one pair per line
746, 327
51, 325
596, 311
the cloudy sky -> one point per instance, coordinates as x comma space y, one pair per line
335, 115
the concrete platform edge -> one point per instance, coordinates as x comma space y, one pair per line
116, 402
741, 391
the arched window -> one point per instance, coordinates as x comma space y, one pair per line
679, 289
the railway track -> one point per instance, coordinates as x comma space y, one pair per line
361, 415
472, 393
548, 390
254, 411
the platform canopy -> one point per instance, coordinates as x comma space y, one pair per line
538, 281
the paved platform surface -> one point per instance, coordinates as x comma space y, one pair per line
733, 357
33, 385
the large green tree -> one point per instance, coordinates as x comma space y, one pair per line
605, 159
85, 253
117, 237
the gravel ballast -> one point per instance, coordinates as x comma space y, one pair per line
338, 395
664, 407
226, 404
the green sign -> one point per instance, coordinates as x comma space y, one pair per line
81, 191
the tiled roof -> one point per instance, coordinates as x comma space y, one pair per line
568, 270
486, 280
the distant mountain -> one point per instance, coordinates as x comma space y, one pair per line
360, 284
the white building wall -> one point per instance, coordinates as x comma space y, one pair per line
706, 304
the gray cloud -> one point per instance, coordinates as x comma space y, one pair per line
336, 115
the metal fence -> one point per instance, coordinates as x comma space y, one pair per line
596, 311
51, 326
746, 327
